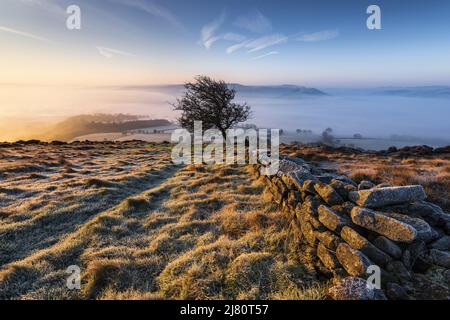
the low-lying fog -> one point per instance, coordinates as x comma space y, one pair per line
372, 116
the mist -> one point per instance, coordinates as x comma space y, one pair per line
24, 110
370, 116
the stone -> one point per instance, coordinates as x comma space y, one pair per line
308, 212
365, 185
381, 197
358, 242
406, 259
328, 239
341, 188
285, 166
345, 208
327, 257
424, 231
440, 258
418, 254
425, 210
293, 198
353, 261
446, 275
315, 223
298, 161
396, 292
444, 222
298, 212
308, 232
441, 244
288, 181
388, 246
447, 228
421, 265
280, 185
384, 225
326, 177
278, 197
308, 187
384, 185
322, 269
332, 220
436, 235
349, 188
278, 189
295, 179
354, 288
339, 274
328, 194
311, 205
398, 269
346, 180
309, 252
425, 288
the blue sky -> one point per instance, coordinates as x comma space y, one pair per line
313, 43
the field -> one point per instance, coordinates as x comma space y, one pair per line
140, 228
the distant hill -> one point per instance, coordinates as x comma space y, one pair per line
420, 92
99, 123
286, 90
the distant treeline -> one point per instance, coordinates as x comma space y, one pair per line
106, 117
99, 123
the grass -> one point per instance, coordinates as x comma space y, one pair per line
150, 230
434, 178
432, 171
141, 228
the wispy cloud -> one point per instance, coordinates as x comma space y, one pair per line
259, 43
266, 55
255, 21
109, 52
208, 31
238, 46
319, 36
23, 34
266, 41
233, 37
230, 36
153, 9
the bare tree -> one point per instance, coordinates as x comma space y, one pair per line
327, 136
211, 102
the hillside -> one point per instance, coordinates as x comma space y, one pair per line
141, 228
418, 92
275, 91
82, 125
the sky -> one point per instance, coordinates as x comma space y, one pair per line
138, 42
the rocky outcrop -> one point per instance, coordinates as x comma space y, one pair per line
346, 228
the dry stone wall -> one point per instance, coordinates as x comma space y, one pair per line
345, 228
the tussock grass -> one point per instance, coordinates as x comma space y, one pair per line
95, 183
133, 205
434, 179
